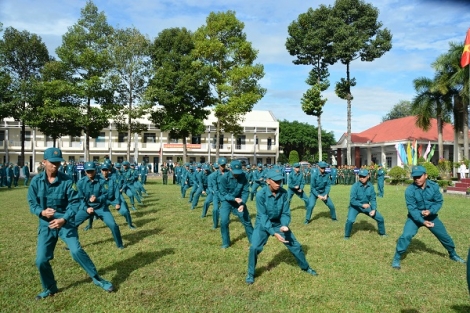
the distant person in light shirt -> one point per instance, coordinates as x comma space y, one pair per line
463, 170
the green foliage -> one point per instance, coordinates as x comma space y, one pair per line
293, 157
397, 174
283, 158
431, 170
222, 45
86, 59
302, 137
444, 183
129, 51
402, 109
312, 102
180, 85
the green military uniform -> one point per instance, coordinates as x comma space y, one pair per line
59, 196
273, 214
165, 174
421, 200
363, 193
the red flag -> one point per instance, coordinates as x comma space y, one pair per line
465, 59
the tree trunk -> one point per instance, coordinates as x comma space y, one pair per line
440, 144
185, 149
465, 131
87, 131
129, 133
348, 144
320, 150
217, 138
23, 138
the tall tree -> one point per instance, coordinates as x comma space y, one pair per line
222, 44
453, 79
309, 41
60, 110
22, 56
179, 86
402, 109
85, 53
130, 55
428, 103
357, 35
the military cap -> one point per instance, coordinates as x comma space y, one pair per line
53, 155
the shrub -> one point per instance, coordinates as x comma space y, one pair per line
431, 170
397, 173
293, 157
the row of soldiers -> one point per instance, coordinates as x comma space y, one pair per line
10, 174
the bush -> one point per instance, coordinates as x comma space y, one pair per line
431, 170
444, 183
397, 174
293, 157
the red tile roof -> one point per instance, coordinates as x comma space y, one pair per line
402, 129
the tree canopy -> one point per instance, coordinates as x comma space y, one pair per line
402, 109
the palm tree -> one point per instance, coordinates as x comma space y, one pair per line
431, 103
452, 79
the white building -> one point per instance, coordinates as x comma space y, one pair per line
258, 144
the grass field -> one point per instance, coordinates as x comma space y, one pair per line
173, 262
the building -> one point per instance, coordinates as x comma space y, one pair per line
259, 143
378, 144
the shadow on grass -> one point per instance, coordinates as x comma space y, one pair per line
125, 267
298, 208
142, 222
363, 226
409, 311
131, 238
417, 245
461, 308
320, 215
284, 256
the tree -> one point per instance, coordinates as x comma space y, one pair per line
85, 54
309, 41
302, 138
130, 56
180, 85
402, 109
22, 56
57, 116
356, 35
452, 79
312, 104
428, 103
222, 45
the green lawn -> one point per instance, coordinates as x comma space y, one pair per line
173, 262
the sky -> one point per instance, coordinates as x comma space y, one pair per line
421, 29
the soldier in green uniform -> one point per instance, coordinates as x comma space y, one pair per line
423, 201
53, 198
94, 195
165, 170
362, 200
26, 173
272, 219
320, 186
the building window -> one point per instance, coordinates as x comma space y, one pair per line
389, 162
96, 158
256, 140
270, 142
240, 142
120, 159
202, 160
2, 135
196, 139
172, 140
259, 161
71, 158
268, 160
122, 137
75, 141
221, 142
192, 159
100, 140
150, 138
